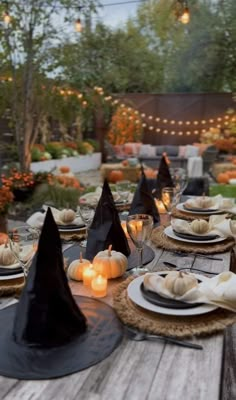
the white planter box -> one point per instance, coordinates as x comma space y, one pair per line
77, 164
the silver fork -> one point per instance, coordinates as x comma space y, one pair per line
140, 336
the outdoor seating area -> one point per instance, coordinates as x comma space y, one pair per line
117, 200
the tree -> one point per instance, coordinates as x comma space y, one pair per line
25, 44
118, 60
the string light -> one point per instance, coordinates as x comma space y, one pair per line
6, 18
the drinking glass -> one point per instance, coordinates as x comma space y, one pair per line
180, 179
86, 212
168, 198
23, 242
123, 189
139, 227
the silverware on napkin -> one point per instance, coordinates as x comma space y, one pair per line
183, 254
139, 336
168, 264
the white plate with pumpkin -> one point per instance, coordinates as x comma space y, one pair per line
136, 296
181, 207
170, 233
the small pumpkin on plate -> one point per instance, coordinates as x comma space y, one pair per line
76, 268
179, 282
67, 216
110, 263
199, 226
6, 255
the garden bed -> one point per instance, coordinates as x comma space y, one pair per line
79, 163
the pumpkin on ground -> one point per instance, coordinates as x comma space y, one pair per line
110, 263
115, 176
223, 177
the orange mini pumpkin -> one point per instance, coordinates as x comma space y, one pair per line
223, 177
115, 176
64, 169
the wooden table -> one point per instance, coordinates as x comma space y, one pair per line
146, 370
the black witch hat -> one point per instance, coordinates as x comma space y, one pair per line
46, 335
106, 228
48, 317
163, 178
143, 201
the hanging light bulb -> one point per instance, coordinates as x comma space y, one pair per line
78, 25
185, 16
6, 18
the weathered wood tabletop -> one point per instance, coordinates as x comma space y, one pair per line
145, 370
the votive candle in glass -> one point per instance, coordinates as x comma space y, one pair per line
89, 274
99, 286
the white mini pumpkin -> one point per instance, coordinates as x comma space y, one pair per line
199, 226
6, 255
67, 216
110, 263
204, 202
178, 282
76, 268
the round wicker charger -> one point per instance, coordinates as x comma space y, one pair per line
11, 287
154, 323
162, 241
190, 216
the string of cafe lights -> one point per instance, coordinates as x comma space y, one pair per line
182, 11
150, 122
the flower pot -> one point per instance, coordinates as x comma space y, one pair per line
22, 194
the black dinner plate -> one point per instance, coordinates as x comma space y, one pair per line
73, 252
10, 271
70, 227
200, 210
155, 298
188, 236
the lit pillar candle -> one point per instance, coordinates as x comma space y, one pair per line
99, 286
88, 275
160, 206
124, 227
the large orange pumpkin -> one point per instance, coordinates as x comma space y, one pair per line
231, 174
115, 176
223, 177
150, 173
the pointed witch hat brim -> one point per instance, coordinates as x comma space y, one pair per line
54, 353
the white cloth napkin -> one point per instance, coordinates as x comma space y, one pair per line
36, 220
218, 224
219, 290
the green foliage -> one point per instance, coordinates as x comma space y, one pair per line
55, 149
94, 143
85, 147
56, 196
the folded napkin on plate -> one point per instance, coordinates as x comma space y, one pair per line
92, 197
219, 290
106, 228
211, 203
218, 224
163, 177
143, 201
36, 220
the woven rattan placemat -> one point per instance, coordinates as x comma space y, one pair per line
162, 241
150, 322
187, 216
11, 287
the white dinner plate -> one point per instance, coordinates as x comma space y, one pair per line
71, 229
15, 276
170, 233
180, 207
135, 294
